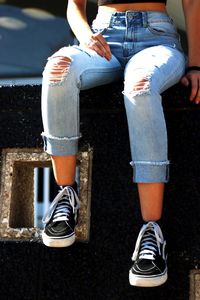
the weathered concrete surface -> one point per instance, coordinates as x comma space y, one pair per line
195, 285
17, 193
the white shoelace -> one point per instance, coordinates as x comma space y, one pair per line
61, 206
148, 242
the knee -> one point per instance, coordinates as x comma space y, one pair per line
138, 84
57, 69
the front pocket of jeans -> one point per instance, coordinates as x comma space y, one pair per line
163, 28
100, 30
99, 26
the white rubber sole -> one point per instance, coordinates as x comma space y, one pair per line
58, 242
143, 281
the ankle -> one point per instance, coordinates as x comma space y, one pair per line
64, 182
74, 186
159, 221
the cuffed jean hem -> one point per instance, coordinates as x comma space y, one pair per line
150, 172
60, 146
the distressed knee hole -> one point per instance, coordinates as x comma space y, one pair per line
140, 81
139, 85
57, 68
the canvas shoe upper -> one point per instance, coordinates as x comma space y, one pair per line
61, 218
149, 268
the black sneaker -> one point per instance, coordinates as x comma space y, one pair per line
149, 268
61, 218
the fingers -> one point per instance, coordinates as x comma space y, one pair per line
99, 44
193, 78
195, 93
184, 81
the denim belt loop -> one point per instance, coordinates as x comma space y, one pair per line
111, 19
145, 18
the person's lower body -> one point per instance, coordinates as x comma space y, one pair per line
154, 71
67, 72
145, 45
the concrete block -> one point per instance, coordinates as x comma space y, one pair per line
17, 192
195, 284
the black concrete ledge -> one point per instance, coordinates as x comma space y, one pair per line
105, 97
99, 270
20, 116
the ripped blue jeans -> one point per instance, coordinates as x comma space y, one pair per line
147, 55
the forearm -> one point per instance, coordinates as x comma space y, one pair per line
192, 18
76, 15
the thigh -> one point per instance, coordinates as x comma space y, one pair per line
88, 68
161, 65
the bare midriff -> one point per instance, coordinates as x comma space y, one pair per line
161, 7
